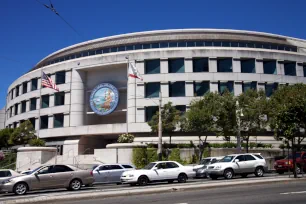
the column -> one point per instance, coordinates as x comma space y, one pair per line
212, 64
50, 121
140, 90
189, 89
261, 86
68, 75
299, 69
66, 119
237, 88
38, 103
164, 88
19, 108
280, 67
236, 65
259, 66
67, 97
164, 67
29, 86
214, 86
140, 115
39, 83
27, 105
37, 123
141, 66
13, 110
188, 65
52, 99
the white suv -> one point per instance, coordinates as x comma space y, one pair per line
238, 164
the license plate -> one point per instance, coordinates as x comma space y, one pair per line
280, 166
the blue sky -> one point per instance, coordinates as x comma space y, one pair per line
29, 31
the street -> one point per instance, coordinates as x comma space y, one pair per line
266, 193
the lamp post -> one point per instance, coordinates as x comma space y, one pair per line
238, 115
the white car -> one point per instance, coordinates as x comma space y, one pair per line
158, 171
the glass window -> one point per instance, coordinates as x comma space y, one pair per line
146, 46
60, 168
164, 44
152, 66
44, 120
32, 121
58, 120
155, 45
199, 44
240, 157
60, 77
217, 44
249, 85
11, 111
270, 88
152, 89
24, 87
171, 165
121, 48
201, 88
104, 168
181, 44
200, 64
115, 167
226, 44
59, 98
258, 156
242, 44
181, 108
249, 158
16, 109
225, 65
17, 90
190, 44
172, 44
150, 112
106, 50
177, 89
234, 44
208, 44
138, 47
290, 68
226, 85
98, 52
4, 173
247, 65
34, 84
85, 54
130, 47
304, 70
176, 65
127, 166
12, 94
45, 101
33, 102
269, 66
23, 106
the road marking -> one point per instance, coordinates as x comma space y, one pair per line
298, 192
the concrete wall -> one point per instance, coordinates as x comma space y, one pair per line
122, 155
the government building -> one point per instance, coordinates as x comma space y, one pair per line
96, 101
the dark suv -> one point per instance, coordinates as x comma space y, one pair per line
286, 164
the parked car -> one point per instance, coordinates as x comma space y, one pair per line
7, 173
158, 171
286, 164
238, 164
50, 176
202, 167
110, 173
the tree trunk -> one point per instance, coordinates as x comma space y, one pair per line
247, 143
202, 147
294, 158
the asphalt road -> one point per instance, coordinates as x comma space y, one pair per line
113, 187
258, 194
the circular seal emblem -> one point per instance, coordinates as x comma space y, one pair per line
104, 99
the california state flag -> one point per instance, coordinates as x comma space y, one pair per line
133, 72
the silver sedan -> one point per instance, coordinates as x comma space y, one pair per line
47, 177
110, 173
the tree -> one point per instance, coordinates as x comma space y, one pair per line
200, 118
126, 138
170, 120
37, 142
5, 137
288, 116
22, 134
253, 120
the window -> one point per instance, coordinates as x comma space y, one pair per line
44, 120
258, 156
249, 158
241, 158
176, 65
171, 165
181, 108
33, 102
290, 68
17, 90
152, 90
12, 94
115, 167
150, 112
269, 66
270, 88
200, 64
60, 168
16, 109
24, 87
58, 120
59, 98
15, 125
225, 65
176, 89
32, 121
104, 168
60, 77
161, 166
23, 106
45, 101
34, 84
152, 66
247, 65
249, 85
4, 173
127, 166
201, 88
11, 111
226, 85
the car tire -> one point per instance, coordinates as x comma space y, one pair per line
244, 175
182, 178
143, 181
228, 174
259, 172
170, 181
20, 188
214, 177
75, 185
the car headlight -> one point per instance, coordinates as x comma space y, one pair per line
217, 167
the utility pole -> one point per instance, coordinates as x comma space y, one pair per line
160, 128
238, 114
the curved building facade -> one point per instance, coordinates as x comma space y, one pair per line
181, 64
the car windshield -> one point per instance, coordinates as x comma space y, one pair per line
297, 155
205, 161
226, 159
149, 166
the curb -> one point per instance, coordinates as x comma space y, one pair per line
96, 195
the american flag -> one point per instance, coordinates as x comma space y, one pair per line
47, 82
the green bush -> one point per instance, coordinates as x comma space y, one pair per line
175, 155
151, 155
139, 157
126, 138
9, 161
37, 142
206, 153
228, 145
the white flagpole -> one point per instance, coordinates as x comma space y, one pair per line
41, 74
127, 96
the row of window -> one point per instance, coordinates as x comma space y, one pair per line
177, 89
223, 65
173, 44
58, 121
59, 100
60, 78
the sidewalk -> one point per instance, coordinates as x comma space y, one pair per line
152, 190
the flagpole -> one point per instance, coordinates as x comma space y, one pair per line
127, 95
41, 74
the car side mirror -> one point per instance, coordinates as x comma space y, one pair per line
236, 160
154, 168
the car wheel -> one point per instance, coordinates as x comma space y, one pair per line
228, 174
259, 172
244, 175
75, 185
182, 178
143, 181
214, 177
20, 188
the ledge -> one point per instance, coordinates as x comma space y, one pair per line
32, 149
125, 146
